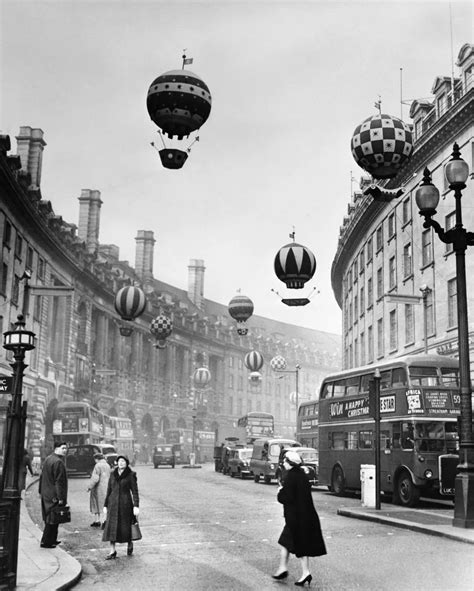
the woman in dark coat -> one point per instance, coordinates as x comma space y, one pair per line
302, 534
120, 506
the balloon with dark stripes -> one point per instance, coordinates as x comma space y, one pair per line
253, 360
201, 377
240, 308
294, 265
130, 302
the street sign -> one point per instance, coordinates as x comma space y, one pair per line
6, 384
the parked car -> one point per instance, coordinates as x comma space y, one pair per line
80, 458
266, 455
163, 455
310, 465
239, 462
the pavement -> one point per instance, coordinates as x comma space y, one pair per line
45, 569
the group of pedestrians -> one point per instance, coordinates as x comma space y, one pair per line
114, 499
114, 502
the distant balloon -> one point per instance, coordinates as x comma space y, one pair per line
161, 327
278, 363
201, 377
240, 309
178, 102
130, 302
253, 360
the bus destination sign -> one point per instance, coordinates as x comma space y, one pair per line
433, 402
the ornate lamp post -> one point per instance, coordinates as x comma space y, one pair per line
427, 199
18, 341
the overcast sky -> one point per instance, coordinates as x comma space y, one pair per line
289, 82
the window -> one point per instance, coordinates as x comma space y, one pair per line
240, 383
362, 300
409, 324
379, 283
370, 344
18, 246
370, 293
380, 343
337, 440
379, 238
393, 330
450, 223
356, 308
231, 361
391, 226
29, 258
352, 440
365, 439
356, 269
426, 248
361, 260
370, 249
407, 261
3, 279
392, 273
406, 211
452, 304
15, 290
231, 381
429, 312
362, 348
7, 234
41, 268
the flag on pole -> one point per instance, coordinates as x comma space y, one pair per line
188, 61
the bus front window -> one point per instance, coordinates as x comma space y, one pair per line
430, 436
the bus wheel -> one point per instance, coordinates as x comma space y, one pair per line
267, 479
338, 484
256, 477
407, 493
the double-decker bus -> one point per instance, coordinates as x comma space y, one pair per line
307, 431
122, 435
419, 405
257, 424
78, 423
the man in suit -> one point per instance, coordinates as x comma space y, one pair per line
53, 491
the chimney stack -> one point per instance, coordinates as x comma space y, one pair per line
89, 219
30, 146
144, 255
196, 282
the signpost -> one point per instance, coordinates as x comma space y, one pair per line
6, 384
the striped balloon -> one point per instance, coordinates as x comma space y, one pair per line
278, 363
201, 377
253, 360
240, 308
294, 265
130, 302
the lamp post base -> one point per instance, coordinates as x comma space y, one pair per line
464, 493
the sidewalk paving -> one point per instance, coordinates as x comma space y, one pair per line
433, 522
42, 569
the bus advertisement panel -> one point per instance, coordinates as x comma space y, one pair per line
419, 404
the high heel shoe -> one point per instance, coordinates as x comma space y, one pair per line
307, 579
111, 556
281, 576
130, 549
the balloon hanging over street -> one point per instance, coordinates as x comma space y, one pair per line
161, 327
129, 303
201, 377
179, 103
381, 145
253, 360
240, 309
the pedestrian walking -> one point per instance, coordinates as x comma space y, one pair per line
302, 534
53, 491
98, 488
24, 467
120, 507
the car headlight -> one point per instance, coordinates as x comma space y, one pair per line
428, 474
306, 470
272, 466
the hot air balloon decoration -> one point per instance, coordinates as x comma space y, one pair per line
294, 264
253, 361
130, 302
161, 327
278, 363
240, 309
179, 103
201, 377
255, 378
381, 145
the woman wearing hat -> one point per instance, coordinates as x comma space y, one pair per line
120, 507
301, 535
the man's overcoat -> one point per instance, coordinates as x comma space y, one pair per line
98, 486
121, 497
302, 534
52, 484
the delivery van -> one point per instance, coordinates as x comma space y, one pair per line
265, 456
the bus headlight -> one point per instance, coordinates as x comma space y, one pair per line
272, 466
428, 474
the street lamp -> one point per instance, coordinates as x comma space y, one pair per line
427, 199
18, 341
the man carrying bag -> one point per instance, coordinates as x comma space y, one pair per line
53, 491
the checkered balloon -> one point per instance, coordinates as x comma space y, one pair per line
161, 327
381, 145
278, 363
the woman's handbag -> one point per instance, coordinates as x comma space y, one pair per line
60, 514
136, 533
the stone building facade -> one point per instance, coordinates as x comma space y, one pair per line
384, 253
80, 354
